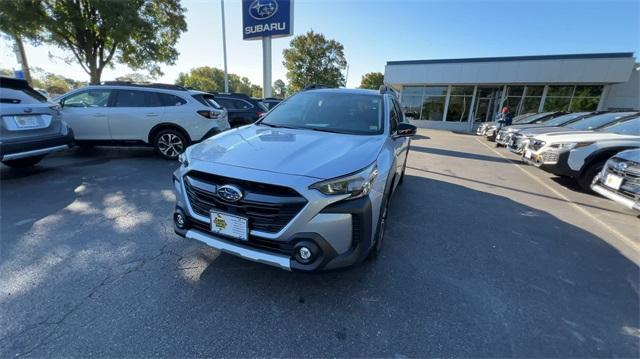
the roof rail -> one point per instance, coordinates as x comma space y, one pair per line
143, 84
386, 89
315, 87
238, 94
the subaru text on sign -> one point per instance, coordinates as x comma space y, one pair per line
266, 18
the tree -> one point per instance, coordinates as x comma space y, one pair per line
372, 80
138, 33
135, 77
54, 84
211, 79
279, 89
313, 59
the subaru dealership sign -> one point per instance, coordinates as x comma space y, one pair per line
266, 18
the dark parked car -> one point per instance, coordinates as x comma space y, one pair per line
242, 109
270, 102
31, 127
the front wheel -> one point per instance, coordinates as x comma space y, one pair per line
379, 238
170, 143
23, 162
586, 178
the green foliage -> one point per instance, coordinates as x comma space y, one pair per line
138, 33
211, 79
135, 77
6, 72
313, 59
279, 89
372, 80
54, 84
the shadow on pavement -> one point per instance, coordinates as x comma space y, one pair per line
458, 154
463, 273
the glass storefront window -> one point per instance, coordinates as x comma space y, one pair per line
557, 104
588, 91
584, 104
432, 108
531, 105
459, 103
535, 90
560, 91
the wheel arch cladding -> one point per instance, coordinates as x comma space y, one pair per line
602, 154
167, 126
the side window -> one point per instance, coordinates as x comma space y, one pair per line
394, 117
399, 110
90, 98
171, 100
242, 105
133, 98
226, 103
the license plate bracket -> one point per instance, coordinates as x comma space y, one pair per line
27, 121
229, 225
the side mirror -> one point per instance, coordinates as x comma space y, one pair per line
410, 114
405, 130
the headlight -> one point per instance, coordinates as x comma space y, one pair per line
570, 145
356, 185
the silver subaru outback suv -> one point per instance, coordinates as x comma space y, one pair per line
306, 187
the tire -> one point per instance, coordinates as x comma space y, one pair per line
586, 177
170, 143
376, 248
23, 162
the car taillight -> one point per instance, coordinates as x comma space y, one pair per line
209, 114
260, 113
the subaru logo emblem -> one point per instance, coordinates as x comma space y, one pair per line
229, 193
263, 9
622, 166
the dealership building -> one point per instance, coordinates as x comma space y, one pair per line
457, 94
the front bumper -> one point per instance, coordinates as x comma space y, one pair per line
551, 161
36, 147
614, 196
339, 232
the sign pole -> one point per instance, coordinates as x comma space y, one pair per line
224, 49
266, 66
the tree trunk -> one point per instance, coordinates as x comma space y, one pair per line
95, 76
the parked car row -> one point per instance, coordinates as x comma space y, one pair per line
167, 117
600, 150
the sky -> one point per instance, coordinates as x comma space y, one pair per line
374, 32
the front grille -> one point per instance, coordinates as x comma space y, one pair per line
267, 207
550, 157
253, 241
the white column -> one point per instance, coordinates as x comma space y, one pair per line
471, 117
544, 98
446, 104
603, 97
266, 67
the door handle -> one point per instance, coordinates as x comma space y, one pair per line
152, 114
99, 115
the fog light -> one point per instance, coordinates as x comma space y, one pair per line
180, 221
304, 253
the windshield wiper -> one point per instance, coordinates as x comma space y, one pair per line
320, 129
276, 126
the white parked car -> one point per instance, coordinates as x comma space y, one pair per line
167, 117
581, 155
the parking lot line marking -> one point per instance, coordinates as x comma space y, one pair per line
621, 236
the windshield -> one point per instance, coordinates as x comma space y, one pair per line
598, 121
561, 120
535, 117
338, 112
626, 127
522, 117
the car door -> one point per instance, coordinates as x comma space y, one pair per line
134, 113
87, 113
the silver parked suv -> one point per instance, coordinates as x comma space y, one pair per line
30, 127
168, 117
306, 188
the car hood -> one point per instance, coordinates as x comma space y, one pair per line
630, 155
308, 153
524, 126
583, 136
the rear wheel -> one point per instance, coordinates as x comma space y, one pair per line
585, 179
170, 143
23, 162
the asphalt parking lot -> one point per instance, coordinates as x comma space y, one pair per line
483, 257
